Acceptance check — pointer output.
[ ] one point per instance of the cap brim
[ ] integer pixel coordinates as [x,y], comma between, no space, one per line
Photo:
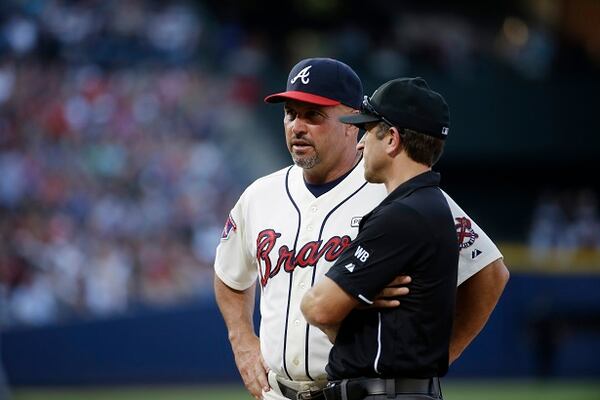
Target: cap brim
[301,96]
[359,119]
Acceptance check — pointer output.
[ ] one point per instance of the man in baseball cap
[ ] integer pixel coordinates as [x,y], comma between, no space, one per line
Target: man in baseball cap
[318,92]
[321,81]
[418,114]
[411,232]
[405,103]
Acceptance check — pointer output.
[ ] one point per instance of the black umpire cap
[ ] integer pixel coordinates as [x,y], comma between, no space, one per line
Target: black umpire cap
[405,103]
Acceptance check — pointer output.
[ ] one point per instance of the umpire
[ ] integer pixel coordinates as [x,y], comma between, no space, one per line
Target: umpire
[393,353]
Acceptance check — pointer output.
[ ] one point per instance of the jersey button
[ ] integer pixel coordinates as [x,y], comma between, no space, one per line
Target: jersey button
[297,322]
[296,361]
[309,228]
[314,209]
[302,285]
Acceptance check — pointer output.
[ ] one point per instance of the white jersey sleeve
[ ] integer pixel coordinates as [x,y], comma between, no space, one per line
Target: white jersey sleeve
[234,263]
[476,248]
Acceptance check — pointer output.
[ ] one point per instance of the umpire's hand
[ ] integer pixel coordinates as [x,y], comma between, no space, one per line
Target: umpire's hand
[388,297]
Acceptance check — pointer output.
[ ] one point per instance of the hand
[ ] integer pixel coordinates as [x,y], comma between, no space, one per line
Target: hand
[387,298]
[252,366]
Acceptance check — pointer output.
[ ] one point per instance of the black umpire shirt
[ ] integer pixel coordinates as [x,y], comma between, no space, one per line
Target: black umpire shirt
[410,233]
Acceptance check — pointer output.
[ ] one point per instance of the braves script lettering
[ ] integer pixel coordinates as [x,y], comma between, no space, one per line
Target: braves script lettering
[308,255]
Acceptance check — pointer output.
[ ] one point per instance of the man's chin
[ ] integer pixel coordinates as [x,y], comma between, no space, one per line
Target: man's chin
[305,162]
[371,178]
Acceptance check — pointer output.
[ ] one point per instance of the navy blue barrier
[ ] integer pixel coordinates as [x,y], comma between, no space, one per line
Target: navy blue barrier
[544,325]
[535,309]
[185,345]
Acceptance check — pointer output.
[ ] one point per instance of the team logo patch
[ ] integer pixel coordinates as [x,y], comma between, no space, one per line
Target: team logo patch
[355,222]
[303,75]
[229,226]
[350,267]
[466,234]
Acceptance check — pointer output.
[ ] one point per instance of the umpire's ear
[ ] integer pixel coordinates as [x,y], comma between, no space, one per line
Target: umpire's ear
[393,139]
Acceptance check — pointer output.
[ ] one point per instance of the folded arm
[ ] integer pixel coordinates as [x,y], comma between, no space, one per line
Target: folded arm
[326,305]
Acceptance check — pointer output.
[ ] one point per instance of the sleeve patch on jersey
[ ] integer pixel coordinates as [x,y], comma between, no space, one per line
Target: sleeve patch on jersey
[361,254]
[229,226]
[465,232]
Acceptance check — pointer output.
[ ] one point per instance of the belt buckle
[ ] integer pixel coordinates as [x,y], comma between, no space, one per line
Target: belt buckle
[309,394]
[305,394]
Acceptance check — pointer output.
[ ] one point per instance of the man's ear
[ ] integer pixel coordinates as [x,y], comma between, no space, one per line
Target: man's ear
[393,142]
[352,130]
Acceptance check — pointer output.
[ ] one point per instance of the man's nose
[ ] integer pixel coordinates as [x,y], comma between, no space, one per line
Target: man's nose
[361,144]
[299,126]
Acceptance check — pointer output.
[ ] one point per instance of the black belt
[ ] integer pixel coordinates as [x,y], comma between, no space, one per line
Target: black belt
[358,389]
[303,394]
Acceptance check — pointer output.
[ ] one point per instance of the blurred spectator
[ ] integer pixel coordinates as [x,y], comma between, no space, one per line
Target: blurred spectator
[584,230]
[528,49]
[4,393]
[564,225]
[549,219]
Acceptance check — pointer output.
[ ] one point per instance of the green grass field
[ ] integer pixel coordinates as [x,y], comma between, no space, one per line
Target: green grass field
[463,390]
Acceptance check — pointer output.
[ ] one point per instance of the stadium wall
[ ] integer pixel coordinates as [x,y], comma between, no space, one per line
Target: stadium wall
[545,325]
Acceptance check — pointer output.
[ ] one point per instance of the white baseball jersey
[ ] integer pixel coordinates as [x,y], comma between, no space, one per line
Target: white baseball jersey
[280,234]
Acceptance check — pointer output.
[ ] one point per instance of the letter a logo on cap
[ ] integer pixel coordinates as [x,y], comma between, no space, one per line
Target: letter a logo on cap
[303,75]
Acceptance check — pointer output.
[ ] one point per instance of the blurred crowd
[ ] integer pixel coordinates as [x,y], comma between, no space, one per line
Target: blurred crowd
[109,31]
[113,189]
[119,160]
[528,37]
[128,129]
[564,225]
